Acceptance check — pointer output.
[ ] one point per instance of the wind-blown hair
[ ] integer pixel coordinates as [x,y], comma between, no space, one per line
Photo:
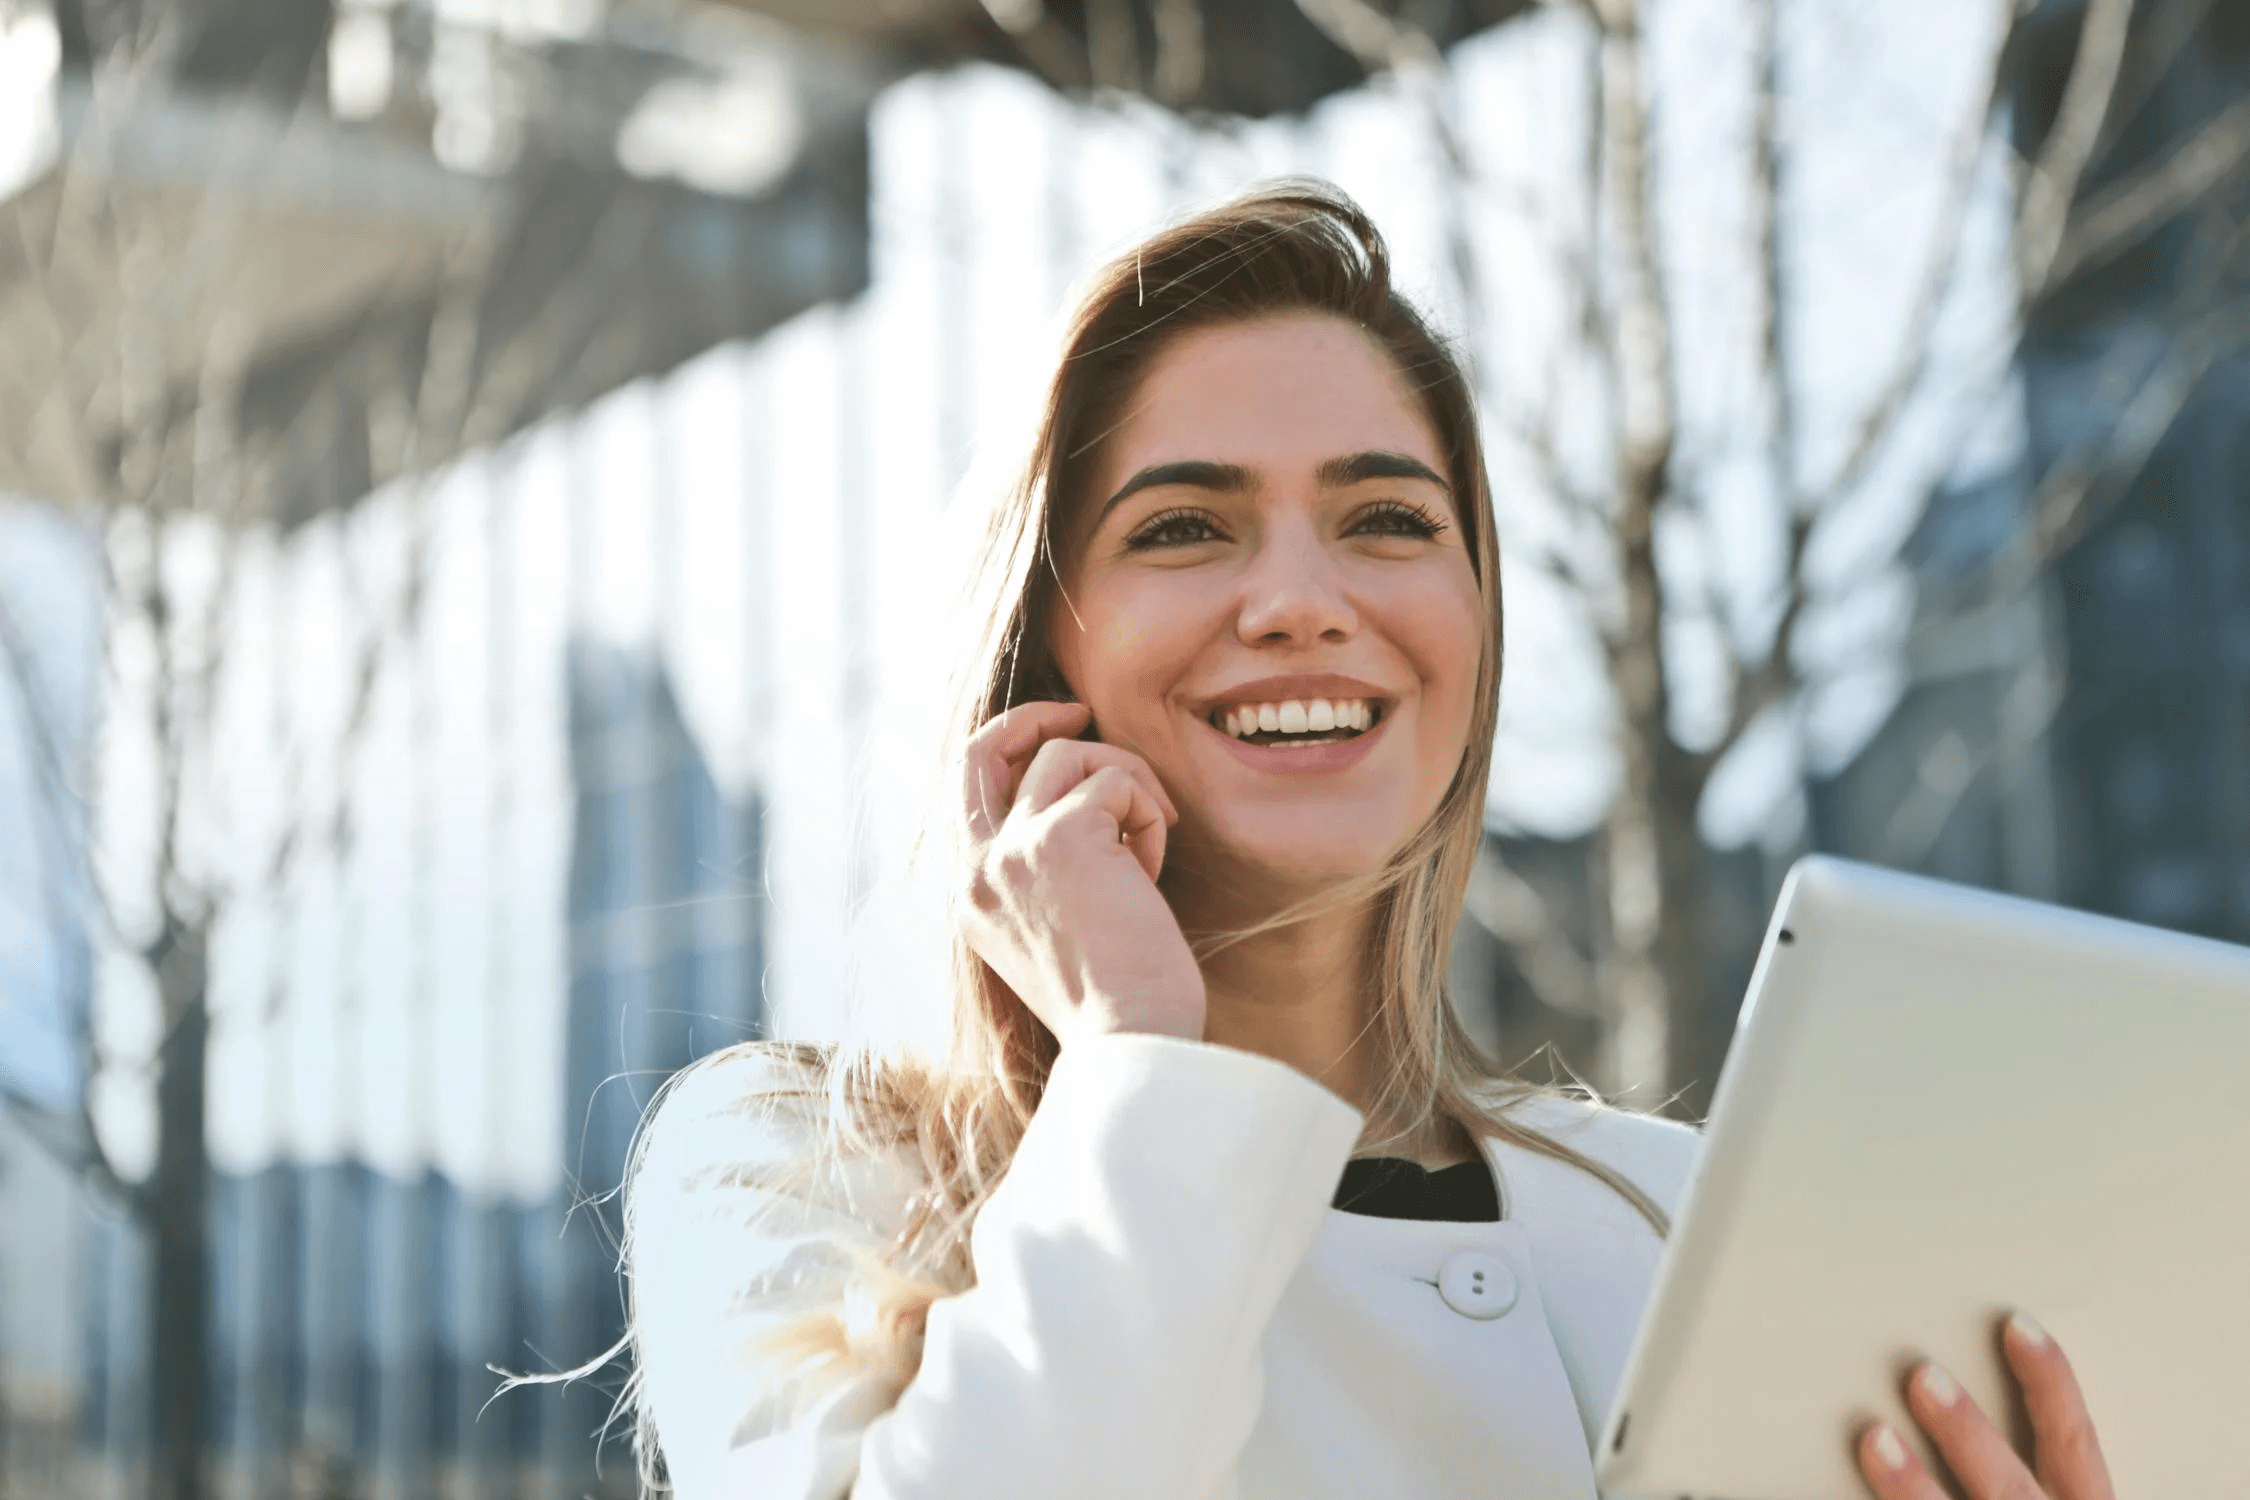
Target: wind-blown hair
[1294,247]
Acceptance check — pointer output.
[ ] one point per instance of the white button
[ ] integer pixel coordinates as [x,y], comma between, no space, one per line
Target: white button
[1477,1285]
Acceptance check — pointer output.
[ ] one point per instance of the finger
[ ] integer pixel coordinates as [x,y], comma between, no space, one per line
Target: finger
[1116,798]
[1060,765]
[1891,1469]
[1020,730]
[993,759]
[1054,729]
[1976,1451]
[2065,1452]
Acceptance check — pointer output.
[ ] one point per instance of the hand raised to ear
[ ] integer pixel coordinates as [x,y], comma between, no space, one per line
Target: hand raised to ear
[1063,843]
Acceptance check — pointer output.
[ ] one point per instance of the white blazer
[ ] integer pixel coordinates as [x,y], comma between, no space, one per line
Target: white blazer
[1166,1307]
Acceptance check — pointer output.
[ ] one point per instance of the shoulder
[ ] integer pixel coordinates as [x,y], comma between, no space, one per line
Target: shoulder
[763,1098]
[750,1215]
[751,1108]
[747,1139]
[1657,1155]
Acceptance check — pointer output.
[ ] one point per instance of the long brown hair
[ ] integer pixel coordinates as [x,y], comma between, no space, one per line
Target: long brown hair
[1288,248]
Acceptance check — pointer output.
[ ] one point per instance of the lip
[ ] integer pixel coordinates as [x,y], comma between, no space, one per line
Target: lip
[1306,760]
[1304,685]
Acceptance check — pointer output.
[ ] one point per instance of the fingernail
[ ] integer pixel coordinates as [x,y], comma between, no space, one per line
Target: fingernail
[1889,1451]
[2027,1329]
[1939,1386]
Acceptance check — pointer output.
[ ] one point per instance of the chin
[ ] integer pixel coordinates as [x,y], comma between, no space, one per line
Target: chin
[1300,853]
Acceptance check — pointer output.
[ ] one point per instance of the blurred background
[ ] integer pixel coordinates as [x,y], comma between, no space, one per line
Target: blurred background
[477,483]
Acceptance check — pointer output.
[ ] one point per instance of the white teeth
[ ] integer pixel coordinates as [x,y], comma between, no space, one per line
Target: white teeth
[1297,716]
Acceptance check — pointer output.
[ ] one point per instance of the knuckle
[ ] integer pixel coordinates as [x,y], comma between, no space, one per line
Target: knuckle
[1103,797]
[979,891]
[1021,861]
[2075,1443]
[1127,761]
[1071,819]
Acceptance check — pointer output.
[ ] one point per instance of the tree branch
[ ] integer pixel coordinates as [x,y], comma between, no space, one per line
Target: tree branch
[39,718]
[1949,767]
[1912,360]
[2130,212]
[1180,57]
[1774,680]
[76,1147]
[1113,45]
[2171,28]
[1510,908]
[1944,774]
[1642,324]
[1377,41]
[73,1145]
[1536,439]
[1765,208]
[2051,185]
[2092,477]
[1754,690]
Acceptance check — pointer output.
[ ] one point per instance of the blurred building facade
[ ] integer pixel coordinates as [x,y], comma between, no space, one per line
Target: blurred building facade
[360,1317]
[2152,736]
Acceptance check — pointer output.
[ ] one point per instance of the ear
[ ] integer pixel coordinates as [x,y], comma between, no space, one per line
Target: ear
[1054,681]
[1048,685]
[1054,685]
[1063,692]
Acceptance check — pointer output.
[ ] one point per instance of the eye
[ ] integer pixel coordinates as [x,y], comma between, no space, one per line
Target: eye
[1174,528]
[1397,518]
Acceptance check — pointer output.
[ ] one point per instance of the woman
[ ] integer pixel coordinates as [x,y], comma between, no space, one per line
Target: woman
[1212,1196]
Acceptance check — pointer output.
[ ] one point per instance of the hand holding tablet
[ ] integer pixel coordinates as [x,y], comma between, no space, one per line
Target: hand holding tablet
[1943,1106]
[2065,1457]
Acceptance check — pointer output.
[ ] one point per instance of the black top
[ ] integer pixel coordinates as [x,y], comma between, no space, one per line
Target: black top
[1390,1187]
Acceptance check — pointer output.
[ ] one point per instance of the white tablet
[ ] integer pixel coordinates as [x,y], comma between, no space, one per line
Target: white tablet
[1942,1104]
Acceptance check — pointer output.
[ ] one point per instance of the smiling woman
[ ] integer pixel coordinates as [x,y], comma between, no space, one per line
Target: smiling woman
[1223,741]
[1211,1195]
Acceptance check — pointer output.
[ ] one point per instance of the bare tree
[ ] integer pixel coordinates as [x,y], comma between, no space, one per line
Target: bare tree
[1648,974]
[174,422]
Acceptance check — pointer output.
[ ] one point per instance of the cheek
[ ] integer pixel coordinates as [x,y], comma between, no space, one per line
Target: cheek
[1439,623]
[1124,647]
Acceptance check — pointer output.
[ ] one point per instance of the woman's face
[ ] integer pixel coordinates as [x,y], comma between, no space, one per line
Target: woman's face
[1271,601]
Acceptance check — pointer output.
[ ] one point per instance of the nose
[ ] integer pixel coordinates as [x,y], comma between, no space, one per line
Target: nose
[1295,594]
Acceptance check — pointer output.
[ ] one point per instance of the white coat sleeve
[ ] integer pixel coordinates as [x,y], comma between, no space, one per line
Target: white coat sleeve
[1126,1268]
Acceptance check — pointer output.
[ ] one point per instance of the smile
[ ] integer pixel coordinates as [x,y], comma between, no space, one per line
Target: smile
[1298,721]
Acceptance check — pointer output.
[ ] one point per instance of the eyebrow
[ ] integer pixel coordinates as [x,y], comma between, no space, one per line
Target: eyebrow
[1377,463]
[1203,474]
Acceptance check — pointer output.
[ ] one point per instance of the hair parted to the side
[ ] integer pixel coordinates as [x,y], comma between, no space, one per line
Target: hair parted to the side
[1290,247]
